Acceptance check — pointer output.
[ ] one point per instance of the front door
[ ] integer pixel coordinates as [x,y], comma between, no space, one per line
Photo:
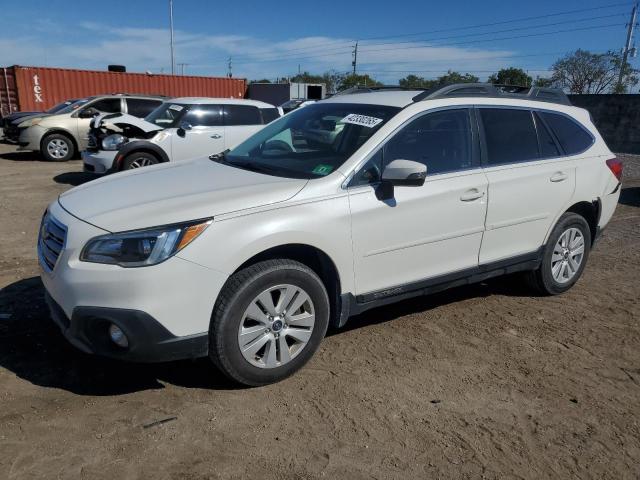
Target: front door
[422,232]
[204,135]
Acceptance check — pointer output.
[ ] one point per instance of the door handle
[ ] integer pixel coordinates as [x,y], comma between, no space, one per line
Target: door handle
[216,136]
[471,195]
[559,177]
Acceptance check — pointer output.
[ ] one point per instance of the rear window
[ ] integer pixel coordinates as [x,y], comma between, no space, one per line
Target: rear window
[241,115]
[572,137]
[108,105]
[510,135]
[269,114]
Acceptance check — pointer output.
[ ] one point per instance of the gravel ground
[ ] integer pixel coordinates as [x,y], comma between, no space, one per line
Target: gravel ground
[483,381]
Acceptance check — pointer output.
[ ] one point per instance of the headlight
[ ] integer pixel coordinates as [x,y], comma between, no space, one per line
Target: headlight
[141,248]
[30,122]
[113,142]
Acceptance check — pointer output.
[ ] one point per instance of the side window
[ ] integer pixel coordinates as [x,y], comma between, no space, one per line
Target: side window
[548,147]
[241,115]
[509,134]
[370,172]
[107,105]
[141,107]
[204,116]
[269,114]
[441,140]
[573,138]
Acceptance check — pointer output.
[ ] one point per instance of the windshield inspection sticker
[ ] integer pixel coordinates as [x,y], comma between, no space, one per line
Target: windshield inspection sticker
[362,120]
[322,169]
[177,108]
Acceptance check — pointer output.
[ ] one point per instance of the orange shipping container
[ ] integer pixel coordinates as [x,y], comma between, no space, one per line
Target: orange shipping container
[40,88]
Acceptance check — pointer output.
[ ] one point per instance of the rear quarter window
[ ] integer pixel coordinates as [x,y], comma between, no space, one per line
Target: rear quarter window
[269,114]
[241,115]
[572,136]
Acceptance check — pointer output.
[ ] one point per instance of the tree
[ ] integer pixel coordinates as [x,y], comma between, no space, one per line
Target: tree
[456,77]
[543,82]
[264,80]
[352,80]
[413,81]
[511,76]
[332,79]
[586,72]
[306,77]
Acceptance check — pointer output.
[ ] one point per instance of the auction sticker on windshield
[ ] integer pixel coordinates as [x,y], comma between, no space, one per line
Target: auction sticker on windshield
[176,107]
[362,120]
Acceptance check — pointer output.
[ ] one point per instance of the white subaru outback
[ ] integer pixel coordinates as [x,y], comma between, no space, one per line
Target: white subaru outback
[350,203]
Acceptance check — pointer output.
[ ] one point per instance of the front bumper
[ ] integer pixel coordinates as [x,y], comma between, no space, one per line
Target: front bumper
[100,162]
[166,308]
[30,138]
[149,341]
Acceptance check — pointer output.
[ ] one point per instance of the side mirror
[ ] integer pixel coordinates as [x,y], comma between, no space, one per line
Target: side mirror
[182,129]
[88,112]
[406,173]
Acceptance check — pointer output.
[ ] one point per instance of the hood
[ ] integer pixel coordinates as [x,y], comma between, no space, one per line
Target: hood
[16,115]
[174,192]
[123,120]
[26,116]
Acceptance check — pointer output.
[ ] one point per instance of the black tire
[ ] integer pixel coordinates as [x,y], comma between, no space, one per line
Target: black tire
[138,160]
[237,294]
[57,147]
[542,279]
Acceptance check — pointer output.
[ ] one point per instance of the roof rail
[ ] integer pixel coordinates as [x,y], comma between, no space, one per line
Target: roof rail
[489,90]
[363,89]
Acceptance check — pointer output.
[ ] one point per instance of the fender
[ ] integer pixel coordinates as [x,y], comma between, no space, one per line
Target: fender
[138,145]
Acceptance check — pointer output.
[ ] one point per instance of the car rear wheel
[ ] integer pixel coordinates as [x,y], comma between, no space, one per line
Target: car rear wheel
[57,148]
[139,160]
[268,322]
[565,255]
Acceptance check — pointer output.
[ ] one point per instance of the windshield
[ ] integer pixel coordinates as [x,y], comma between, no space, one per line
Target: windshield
[310,142]
[60,106]
[74,106]
[167,115]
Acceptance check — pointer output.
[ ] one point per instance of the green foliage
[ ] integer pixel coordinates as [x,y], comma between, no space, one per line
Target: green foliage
[414,81]
[352,80]
[264,80]
[511,76]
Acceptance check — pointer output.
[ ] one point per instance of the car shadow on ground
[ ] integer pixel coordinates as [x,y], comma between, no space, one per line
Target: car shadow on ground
[21,157]
[74,178]
[32,347]
[630,196]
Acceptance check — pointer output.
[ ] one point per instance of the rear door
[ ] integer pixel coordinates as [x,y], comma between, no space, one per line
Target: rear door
[204,138]
[240,122]
[530,181]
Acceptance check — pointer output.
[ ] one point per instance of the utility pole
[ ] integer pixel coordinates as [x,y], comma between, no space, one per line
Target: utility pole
[173,58]
[355,58]
[230,68]
[627,47]
[182,65]
[298,80]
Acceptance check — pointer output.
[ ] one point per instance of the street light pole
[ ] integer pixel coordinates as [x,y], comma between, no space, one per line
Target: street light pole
[173,59]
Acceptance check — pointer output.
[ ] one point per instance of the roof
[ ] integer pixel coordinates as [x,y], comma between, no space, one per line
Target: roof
[220,101]
[392,98]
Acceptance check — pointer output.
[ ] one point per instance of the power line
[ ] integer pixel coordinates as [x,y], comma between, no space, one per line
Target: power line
[504,22]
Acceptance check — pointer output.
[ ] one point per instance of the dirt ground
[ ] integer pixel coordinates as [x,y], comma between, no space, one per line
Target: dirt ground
[484,381]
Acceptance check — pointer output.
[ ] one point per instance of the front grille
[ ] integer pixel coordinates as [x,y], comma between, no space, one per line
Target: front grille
[51,241]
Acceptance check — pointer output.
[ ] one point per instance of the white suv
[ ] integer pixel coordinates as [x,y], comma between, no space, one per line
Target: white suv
[249,256]
[180,129]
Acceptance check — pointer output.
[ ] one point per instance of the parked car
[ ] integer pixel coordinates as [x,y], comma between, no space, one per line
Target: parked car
[12,120]
[294,103]
[60,135]
[180,129]
[249,256]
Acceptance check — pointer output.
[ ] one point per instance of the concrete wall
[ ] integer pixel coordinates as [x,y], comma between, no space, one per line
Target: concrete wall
[617,118]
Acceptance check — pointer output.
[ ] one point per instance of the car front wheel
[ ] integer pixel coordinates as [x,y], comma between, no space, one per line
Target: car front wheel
[268,322]
[139,160]
[57,148]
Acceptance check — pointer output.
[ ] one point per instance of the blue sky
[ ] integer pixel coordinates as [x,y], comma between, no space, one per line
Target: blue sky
[269,38]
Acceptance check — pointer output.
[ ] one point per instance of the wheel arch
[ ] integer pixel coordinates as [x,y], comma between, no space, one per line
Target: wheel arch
[314,258]
[60,131]
[137,147]
[590,211]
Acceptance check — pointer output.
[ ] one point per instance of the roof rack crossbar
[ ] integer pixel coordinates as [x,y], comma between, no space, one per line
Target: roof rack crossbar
[489,90]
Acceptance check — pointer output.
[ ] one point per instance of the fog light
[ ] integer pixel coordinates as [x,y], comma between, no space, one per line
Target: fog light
[117,336]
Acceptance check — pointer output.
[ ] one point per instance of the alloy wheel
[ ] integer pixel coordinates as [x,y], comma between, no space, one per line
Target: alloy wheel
[567,255]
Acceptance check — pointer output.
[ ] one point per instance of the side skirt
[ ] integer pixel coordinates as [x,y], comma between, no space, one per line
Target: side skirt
[353,305]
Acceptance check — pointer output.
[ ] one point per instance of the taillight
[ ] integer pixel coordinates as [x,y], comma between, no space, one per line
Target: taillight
[615,166]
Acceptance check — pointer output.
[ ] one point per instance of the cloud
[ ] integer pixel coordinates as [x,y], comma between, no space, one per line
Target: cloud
[95,45]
